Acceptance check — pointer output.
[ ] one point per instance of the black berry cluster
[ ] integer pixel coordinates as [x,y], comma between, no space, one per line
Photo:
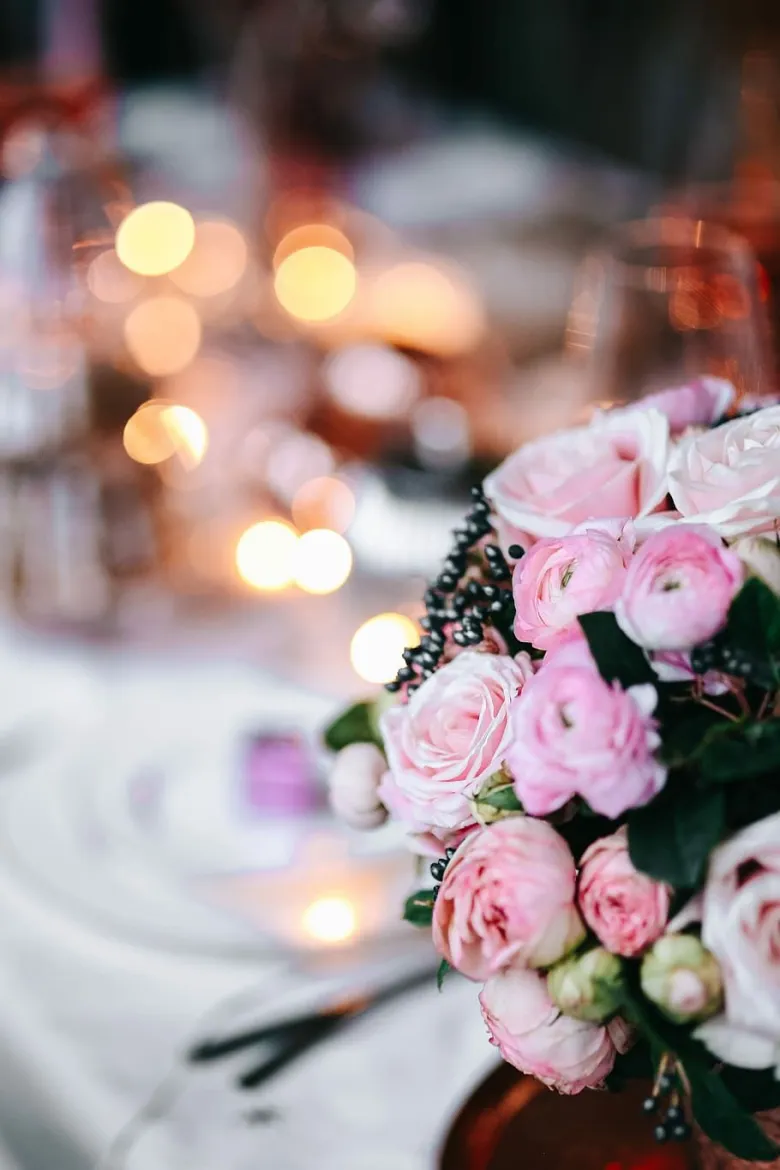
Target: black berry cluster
[472,591]
[438,869]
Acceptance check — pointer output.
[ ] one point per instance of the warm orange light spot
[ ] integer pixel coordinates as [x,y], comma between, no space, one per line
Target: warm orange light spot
[315,283]
[163,335]
[312,235]
[217,261]
[323,561]
[160,429]
[427,307]
[378,645]
[155,238]
[265,555]
[330,920]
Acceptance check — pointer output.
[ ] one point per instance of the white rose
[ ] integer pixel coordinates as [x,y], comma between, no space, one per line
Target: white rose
[354,786]
[729,477]
[614,468]
[741,926]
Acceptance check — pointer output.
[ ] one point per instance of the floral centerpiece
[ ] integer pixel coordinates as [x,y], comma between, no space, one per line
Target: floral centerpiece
[585,746]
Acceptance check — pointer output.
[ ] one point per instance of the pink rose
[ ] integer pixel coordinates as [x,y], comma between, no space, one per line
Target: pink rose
[741,926]
[575,734]
[354,786]
[451,735]
[729,477]
[697,404]
[531,1033]
[561,578]
[625,909]
[678,589]
[507,895]
[614,467]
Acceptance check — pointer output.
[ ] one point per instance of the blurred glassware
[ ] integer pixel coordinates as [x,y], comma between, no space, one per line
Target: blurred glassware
[667,300]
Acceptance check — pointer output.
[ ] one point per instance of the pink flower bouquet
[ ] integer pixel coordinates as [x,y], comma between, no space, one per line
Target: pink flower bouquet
[586,746]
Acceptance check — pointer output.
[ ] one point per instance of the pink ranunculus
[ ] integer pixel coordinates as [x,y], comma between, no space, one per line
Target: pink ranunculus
[697,404]
[451,735]
[678,588]
[561,578]
[625,909]
[507,896]
[729,477]
[614,467]
[741,926]
[575,734]
[531,1033]
[354,786]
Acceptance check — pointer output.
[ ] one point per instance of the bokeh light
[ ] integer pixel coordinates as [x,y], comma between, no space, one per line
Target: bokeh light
[323,561]
[48,360]
[266,555]
[146,438]
[23,149]
[427,307]
[294,458]
[378,645]
[190,434]
[163,334]
[372,380]
[313,235]
[217,261]
[160,429]
[330,920]
[155,238]
[315,283]
[110,281]
[324,502]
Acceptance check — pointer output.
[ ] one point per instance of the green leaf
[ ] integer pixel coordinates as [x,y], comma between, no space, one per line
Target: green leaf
[444,970]
[749,646]
[755,1089]
[716,1109]
[744,751]
[693,728]
[672,837]
[355,725]
[617,657]
[723,1119]
[418,908]
[504,799]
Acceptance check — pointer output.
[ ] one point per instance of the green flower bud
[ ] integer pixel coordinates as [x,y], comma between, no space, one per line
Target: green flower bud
[682,978]
[495,800]
[587,986]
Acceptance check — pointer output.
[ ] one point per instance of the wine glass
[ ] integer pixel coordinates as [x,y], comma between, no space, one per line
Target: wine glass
[668,300]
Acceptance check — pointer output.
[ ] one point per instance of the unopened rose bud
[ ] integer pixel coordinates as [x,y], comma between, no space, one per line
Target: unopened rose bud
[761,556]
[354,782]
[589,986]
[682,978]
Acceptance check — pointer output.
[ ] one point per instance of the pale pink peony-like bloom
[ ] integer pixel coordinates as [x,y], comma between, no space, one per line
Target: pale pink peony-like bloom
[614,467]
[561,578]
[531,1033]
[741,926]
[354,786]
[729,477]
[625,909]
[575,734]
[507,896]
[696,404]
[451,735]
[678,588]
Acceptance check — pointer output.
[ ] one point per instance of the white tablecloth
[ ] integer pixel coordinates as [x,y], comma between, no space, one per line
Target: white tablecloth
[92,1019]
